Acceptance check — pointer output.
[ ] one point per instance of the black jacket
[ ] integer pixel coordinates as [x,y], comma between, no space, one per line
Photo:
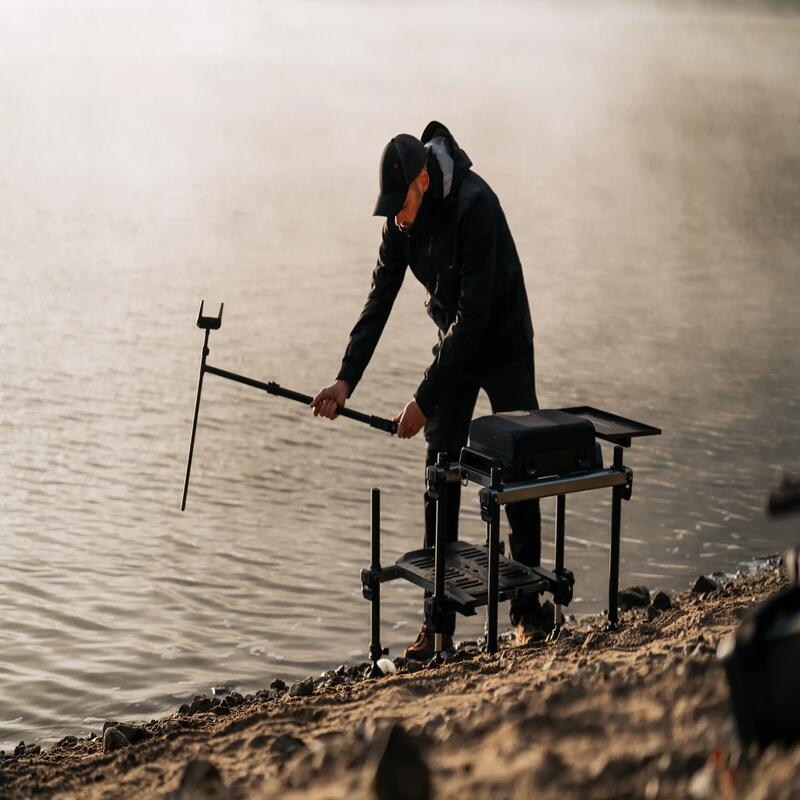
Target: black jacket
[461,250]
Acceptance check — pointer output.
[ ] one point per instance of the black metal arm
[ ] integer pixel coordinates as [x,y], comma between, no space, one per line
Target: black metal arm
[209,324]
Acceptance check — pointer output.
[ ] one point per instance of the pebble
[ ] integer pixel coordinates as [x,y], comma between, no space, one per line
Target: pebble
[302,688]
[114,739]
[278,685]
[661,601]
[67,741]
[387,666]
[703,585]
[633,597]
[199,705]
[414,666]
[133,733]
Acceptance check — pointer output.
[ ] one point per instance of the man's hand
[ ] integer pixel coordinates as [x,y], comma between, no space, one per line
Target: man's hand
[329,399]
[409,421]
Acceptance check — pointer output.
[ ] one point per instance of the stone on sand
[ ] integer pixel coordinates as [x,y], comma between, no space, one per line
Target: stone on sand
[703,585]
[661,601]
[302,688]
[633,597]
[114,739]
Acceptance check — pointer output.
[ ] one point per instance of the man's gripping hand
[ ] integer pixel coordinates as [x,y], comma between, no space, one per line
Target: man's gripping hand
[328,400]
[409,421]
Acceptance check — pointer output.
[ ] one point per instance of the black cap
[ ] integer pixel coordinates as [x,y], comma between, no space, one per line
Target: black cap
[402,160]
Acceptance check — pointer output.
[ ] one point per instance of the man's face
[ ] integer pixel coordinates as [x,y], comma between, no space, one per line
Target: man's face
[404,219]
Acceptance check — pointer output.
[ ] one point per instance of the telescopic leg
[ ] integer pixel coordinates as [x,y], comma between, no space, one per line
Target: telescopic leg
[616,524]
[561,510]
[439,555]
[375,648]
[493,577]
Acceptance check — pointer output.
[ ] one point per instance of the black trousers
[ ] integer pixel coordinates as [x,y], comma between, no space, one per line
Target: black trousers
[510,387]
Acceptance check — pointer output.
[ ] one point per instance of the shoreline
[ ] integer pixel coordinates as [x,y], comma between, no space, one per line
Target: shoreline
[638,712]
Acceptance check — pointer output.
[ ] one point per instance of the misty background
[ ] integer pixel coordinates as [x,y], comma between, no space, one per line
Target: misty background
[154,154]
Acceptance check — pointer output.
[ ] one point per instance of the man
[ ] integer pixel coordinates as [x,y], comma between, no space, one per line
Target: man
[446,224]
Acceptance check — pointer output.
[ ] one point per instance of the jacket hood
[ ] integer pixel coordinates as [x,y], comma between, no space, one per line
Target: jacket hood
[450,163]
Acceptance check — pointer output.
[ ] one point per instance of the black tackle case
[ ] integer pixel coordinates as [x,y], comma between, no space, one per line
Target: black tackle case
[532,444]
[762,661]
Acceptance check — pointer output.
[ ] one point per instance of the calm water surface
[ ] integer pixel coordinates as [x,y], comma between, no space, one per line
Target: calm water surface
[157,154]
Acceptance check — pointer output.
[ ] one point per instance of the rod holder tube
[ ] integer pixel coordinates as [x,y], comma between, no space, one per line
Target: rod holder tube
[196,412]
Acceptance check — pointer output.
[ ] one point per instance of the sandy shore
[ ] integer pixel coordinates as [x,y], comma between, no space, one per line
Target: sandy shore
[638,713]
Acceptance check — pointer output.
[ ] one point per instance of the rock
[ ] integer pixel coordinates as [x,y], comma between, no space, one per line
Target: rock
[133,733]
[287,745]
[67,741]
[114,739]
[341,669]
[387,666]
[278,685]
[652,612]
[302,688]
[221,691]
[661,601]
[414,666]
[401,772]
[703,585]
[233,699]
[200,704]
[400,661]
[19,749]
[633,597]
[201,780]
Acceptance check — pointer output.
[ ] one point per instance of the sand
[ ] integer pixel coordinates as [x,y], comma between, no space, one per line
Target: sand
[642,712]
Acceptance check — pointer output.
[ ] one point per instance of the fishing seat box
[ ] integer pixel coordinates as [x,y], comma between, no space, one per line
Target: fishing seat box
[527,445]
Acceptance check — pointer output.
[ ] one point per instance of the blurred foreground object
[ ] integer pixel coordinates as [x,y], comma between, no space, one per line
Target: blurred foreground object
[762,661]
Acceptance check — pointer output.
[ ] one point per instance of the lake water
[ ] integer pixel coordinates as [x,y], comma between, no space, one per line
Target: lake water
[158,153]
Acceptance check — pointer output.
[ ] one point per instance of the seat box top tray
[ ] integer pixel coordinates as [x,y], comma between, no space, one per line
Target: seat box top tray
[612,427]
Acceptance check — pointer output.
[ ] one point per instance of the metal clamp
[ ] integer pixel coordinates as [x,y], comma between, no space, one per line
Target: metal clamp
[628,490]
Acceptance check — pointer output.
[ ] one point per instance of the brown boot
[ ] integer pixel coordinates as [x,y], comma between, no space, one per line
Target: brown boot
[422,649]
